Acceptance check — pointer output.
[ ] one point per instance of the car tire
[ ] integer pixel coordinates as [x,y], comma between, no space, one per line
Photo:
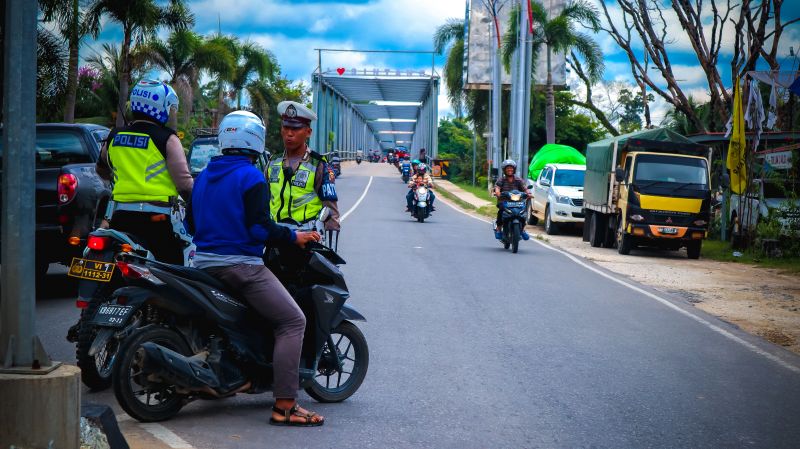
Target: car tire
[693,249]
[550,227]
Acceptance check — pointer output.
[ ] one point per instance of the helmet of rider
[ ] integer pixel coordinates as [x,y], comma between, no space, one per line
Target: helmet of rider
[509,163]
[415,162]
[422,168]
[154,99]
[241,132]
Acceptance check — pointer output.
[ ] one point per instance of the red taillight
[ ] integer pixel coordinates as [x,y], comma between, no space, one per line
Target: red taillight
[97,243]
[127,271]
[81,304]
[67,185]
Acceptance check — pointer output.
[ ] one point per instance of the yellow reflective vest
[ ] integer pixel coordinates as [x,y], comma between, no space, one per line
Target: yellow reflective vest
[140,170]
[294,198]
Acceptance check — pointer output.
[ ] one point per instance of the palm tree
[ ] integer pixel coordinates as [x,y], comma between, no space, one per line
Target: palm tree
[559,34]
[70,20]
[51,76]
[138,18]
[184,56]
[253,62]
[474,102]
[108,64]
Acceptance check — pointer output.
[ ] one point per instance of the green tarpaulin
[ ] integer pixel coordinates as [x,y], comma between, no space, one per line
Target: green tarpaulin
[553,153]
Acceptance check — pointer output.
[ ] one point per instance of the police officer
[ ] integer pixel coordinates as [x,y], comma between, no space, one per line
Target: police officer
[147,165]
[301,183]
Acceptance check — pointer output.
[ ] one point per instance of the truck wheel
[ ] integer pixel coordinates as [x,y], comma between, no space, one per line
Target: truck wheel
[586,219]
[609,233]
[693,249]
[596,230]
[549,227]
[624,241]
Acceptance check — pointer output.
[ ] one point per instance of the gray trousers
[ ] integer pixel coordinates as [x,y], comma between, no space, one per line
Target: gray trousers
[263,292]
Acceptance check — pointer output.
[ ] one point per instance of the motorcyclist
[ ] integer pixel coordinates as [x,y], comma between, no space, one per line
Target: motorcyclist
[301,182]
[232,224]
[414,166]
[147,165]
[421,177]
[509,181]
[406,165]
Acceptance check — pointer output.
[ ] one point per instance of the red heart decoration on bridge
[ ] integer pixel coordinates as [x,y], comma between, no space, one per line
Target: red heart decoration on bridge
[340,70]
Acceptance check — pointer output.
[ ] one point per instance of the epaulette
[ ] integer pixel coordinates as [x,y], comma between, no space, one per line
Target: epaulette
[316,156]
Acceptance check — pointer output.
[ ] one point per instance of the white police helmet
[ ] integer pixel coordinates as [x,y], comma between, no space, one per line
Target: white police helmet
[242,130]
[509,163]
[155,99]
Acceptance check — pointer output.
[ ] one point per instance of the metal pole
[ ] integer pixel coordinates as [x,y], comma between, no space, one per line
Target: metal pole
[497,92]
[19,346]
[525,119]
[474,152]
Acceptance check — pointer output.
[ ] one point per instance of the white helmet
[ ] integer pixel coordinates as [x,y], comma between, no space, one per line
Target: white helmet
[155,99]
[509,162]
[242,130]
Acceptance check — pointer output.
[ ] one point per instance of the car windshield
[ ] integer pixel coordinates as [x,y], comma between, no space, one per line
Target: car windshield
[569,178]
[56,148]
[652,168]
[201,153]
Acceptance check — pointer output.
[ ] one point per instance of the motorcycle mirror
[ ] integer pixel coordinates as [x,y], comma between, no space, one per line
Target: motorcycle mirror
[530,186]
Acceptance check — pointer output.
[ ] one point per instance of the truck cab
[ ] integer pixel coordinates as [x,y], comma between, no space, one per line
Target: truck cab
[663,200]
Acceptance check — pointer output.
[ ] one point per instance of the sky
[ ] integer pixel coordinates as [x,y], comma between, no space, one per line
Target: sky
[292,30]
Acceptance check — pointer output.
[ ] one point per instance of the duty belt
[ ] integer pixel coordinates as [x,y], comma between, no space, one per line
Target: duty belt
[114,206]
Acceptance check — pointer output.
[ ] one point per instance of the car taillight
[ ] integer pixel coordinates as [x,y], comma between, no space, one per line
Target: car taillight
[81,303]
[67,186]
[98,243]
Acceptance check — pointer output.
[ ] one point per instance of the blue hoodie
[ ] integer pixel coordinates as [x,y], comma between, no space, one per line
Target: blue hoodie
[230,209]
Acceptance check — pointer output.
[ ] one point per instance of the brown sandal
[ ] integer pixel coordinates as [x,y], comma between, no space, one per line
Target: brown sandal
[287,415]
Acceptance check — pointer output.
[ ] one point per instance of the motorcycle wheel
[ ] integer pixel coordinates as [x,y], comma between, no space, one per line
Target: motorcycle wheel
[506,237]
[515,236]
[133,392]
[352,360]
[95,370]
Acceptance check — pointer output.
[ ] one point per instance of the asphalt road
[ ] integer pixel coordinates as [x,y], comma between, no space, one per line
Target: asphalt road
[474,347]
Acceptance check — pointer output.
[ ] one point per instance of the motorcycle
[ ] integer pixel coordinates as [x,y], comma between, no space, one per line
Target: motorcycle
[512,218]
[358,160]
[203,343]
[96,349]
[405,173]
[421,205]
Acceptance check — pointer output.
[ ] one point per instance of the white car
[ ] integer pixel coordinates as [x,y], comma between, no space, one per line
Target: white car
[558,196]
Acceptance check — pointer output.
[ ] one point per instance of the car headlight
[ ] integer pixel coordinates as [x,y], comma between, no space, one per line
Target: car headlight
[637,217]
[562,199]
[700,222]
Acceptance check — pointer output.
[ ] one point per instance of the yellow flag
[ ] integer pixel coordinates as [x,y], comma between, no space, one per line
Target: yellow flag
[737,147]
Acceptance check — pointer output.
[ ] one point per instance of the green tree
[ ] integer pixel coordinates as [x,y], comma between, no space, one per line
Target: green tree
[252,62]
[51,74]
[574,129]
[184,56]
[139,19]
[455,144]
[264,99]
[559,34]
[630,119]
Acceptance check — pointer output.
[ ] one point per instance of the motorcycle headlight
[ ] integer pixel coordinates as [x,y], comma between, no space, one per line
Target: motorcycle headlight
[562,199]
[515,197]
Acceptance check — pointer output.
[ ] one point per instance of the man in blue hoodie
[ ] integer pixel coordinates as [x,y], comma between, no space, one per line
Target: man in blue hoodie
[232,224]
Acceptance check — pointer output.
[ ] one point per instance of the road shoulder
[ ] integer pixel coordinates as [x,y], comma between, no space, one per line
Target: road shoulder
[761,301]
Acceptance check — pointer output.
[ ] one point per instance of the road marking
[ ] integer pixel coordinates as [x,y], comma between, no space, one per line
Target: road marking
[360,199]
[666,302]
[167,436]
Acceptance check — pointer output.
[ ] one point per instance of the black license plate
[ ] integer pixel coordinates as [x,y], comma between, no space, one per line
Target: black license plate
[515,203]
[93,270]
[112,315]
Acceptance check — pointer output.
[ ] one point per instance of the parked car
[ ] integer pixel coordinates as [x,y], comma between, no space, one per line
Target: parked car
[70,197]
[766,196]
[558,196]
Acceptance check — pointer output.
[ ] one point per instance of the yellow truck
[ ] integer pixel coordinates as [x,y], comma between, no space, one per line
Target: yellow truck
[648,188]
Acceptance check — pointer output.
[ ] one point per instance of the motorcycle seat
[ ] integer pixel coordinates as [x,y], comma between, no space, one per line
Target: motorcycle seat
[194,274]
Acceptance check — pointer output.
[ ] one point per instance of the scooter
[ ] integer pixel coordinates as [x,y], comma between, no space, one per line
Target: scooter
[405,172]
[358,160]
[512,218]
[95,348]
[206,344]
[421,205]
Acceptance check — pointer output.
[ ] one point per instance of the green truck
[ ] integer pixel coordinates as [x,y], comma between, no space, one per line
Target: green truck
[648,188]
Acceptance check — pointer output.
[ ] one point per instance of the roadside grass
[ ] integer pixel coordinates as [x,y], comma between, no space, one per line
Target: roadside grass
[722,251]
[487,211]
[479,191]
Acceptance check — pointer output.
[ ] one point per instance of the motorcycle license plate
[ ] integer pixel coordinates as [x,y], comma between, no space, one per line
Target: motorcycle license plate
[112,315]
[668,230]
[515,204]
[93,270]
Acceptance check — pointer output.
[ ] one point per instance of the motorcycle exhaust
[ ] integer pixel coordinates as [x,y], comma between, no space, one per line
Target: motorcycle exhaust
[189,373]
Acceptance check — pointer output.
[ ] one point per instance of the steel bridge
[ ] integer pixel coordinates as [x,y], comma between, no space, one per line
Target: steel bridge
[375,109]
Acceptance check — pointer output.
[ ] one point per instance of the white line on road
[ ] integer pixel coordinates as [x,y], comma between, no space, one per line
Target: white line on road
[666,302]
[360,199]
[167,436]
